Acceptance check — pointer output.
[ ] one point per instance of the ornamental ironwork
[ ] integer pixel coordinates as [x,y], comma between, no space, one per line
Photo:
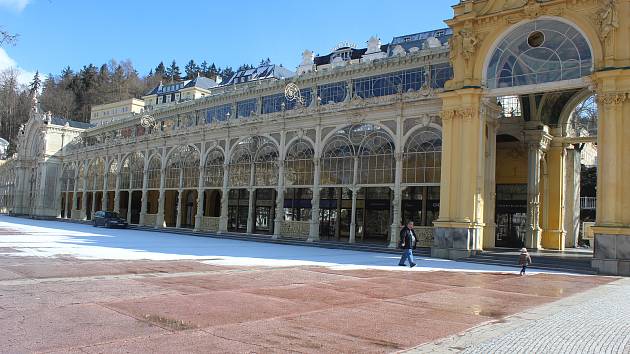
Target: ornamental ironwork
[292,93]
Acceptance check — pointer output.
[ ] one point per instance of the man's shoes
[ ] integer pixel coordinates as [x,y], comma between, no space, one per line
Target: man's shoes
[401,265]
[412,265]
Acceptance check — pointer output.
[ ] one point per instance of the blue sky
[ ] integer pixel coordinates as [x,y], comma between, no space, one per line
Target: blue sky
[57,33]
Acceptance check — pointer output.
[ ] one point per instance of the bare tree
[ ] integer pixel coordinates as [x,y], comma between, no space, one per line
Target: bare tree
[7,38]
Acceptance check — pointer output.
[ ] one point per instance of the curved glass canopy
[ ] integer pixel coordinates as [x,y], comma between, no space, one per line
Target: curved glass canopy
[539,52]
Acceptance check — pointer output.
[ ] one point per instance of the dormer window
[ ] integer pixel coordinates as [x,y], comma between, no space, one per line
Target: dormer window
[407,39]
[439,33]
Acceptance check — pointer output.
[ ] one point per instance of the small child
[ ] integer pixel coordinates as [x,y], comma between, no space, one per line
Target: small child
[524,260]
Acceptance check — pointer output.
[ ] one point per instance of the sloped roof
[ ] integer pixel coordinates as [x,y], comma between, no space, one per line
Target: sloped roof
[72,123]
[200,82]
[260,73]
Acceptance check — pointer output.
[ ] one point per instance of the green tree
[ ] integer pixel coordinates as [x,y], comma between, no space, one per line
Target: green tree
[173,72]
[35,85]
[191,70]
[160,70]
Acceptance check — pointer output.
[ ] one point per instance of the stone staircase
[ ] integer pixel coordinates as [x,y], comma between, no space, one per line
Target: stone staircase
[560,262]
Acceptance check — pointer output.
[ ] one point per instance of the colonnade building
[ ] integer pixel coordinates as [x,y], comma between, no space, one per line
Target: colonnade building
[475,132]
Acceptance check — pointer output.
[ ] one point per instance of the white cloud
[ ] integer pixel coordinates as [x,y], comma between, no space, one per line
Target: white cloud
[15,5]
[6,62]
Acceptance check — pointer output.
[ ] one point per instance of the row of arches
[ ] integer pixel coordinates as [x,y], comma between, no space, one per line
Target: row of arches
[258,183]
[365,149]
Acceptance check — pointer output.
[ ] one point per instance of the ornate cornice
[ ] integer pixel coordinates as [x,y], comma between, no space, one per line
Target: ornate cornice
[612,98]
[458,113]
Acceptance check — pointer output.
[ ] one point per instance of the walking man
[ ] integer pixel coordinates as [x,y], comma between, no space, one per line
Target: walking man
[408,244]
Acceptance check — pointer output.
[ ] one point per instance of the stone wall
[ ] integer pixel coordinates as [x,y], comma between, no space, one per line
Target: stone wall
[149,220]
[298,229]
[209,223]
[425,236]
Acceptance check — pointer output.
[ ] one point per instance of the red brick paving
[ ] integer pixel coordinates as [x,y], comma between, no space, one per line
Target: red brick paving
[199,308]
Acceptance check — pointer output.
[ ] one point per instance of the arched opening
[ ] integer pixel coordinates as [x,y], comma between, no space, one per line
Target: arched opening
[581,171]
[299,174]
[538,52]
[154,174]
[182,178]
[357,174]
[421,180]
[130,186]
[112,177]
[67,188]
[213,182]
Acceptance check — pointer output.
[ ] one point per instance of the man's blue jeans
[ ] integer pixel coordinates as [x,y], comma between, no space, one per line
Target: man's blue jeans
[407,254]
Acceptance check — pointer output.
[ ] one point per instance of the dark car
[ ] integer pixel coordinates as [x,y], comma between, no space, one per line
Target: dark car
[109,219]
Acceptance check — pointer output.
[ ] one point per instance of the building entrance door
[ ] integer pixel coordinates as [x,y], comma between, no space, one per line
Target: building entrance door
[335,213]
[511,215]
[265,210]
[376,208]
[238,210]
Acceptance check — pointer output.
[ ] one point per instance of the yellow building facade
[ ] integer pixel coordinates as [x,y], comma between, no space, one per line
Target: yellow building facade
[547,53]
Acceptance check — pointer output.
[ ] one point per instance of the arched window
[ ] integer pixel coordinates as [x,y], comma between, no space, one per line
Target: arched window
[337,162]
[538,52]
[376,162]
[266,163]
[239,171]
[96,174]
[583,120]
[422,158]
[132,171]
[112,175]
[154,173]
[213,176]
[67,178]
[81,175]
[124,174]
[183,165]
[369,143]
[137,170]
[299,167]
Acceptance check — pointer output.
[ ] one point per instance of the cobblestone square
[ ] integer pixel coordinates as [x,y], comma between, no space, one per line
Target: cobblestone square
[57,295]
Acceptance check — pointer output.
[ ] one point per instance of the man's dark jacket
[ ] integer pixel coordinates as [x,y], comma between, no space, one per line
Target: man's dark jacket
[405,239]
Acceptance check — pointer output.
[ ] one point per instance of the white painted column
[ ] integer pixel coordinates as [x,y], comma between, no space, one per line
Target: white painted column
[251,211]
[279,219]
[313,234]
[117,189]
[252,206]
[396,203]
[93,201]
[178,221]
[105,199]
[572,198]
[200,193]
[353,217]
[145,193]
[223,219]
[74,193]
[159,219]
[84,199]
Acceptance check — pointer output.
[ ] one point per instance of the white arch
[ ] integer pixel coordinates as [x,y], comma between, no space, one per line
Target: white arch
[337,128]
[408,134]
[511,29]
[294,140]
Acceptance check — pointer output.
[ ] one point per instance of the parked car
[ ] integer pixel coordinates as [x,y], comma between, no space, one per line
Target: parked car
[109,219]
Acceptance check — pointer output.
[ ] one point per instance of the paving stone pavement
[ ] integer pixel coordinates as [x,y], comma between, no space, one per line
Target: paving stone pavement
[595,321]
